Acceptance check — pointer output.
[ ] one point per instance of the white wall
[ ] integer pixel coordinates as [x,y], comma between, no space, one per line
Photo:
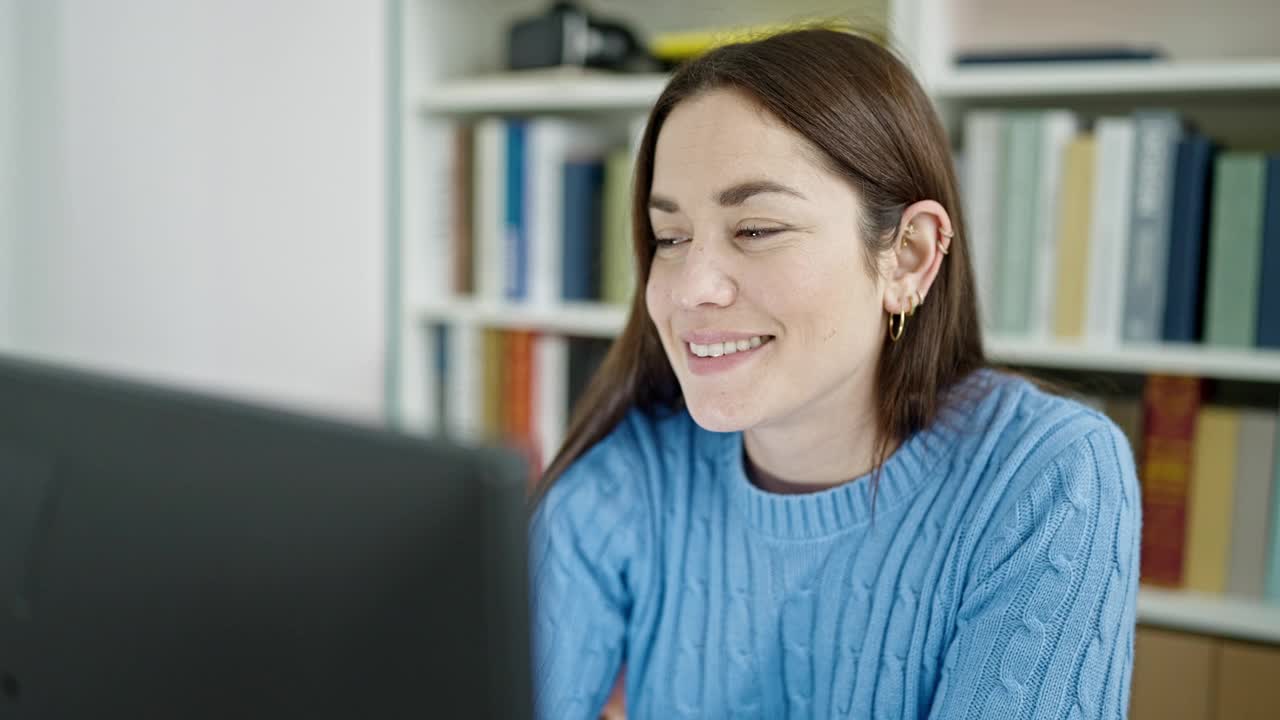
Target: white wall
[203,195]
[8,174]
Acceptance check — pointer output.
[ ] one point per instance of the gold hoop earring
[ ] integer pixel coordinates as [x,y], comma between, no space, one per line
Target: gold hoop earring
[916,301]
[901,318]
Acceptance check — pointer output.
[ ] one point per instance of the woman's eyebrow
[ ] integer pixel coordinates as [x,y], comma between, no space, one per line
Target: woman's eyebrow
[730,196]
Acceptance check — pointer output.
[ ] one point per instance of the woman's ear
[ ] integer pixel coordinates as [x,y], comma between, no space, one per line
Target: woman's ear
[922,242]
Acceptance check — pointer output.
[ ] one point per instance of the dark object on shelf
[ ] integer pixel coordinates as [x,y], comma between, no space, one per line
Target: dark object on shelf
[1101,53]
[566,35]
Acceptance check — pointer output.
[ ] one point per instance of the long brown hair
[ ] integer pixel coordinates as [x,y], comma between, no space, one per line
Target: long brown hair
[863,109]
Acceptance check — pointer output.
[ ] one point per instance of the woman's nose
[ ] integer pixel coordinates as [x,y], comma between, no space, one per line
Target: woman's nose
[705,278]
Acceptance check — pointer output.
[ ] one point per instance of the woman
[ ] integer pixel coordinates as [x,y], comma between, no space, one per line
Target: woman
[795,489]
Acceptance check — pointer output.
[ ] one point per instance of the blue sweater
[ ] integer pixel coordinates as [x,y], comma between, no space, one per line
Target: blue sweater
[996,577]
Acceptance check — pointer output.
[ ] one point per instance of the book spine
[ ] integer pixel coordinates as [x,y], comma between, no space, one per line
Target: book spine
[1188,240]
[580,262]
[983,132]
[489,180]
[1235,244]
[1109,230]
[465,419]
[617,255]
[462,212]
[1249,517]
[494,384]
[1017,243]
[1073,237]
[1058,128]
[1268,331]
[1272,590]
[1170,407]
[1155,142]
[551,393]
[516,240]
[1213,477]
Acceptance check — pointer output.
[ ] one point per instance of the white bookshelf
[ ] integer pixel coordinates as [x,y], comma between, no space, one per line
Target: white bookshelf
[1109,79]
[537,91]
[1225,616]
[448,76]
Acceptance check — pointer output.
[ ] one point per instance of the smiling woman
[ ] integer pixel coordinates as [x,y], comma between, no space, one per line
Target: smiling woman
[794,489]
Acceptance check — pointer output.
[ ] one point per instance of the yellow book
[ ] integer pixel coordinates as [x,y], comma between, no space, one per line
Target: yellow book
[1074,221]
[493,356]
[687,44]
[1209,507]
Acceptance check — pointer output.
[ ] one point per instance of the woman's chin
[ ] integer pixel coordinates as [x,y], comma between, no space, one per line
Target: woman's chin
[720,415]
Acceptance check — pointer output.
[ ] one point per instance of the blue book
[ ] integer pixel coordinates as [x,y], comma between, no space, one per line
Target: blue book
[1188,240]
[1269,291]
[516,240]
[1155,142]
[580,261]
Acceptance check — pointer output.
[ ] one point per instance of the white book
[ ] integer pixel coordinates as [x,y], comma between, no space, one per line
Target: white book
[549,144]
[1058,128]
[465,385]
[488,224]
[981,196]
[1250,518]
[1109,232]
[551,393]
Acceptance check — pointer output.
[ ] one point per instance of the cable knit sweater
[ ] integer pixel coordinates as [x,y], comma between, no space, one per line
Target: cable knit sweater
[994,576]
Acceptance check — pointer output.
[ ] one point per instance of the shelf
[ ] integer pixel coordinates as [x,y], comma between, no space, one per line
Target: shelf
[587,319]
[597,320]
[1101,79]
[545,90]
[1239,618]
[1193,360]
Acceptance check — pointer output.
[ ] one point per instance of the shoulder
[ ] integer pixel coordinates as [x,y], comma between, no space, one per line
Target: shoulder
[620,480]
[1051,460]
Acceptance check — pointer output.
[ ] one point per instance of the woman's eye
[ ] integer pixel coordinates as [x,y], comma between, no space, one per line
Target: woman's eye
[754,233]
[669,241]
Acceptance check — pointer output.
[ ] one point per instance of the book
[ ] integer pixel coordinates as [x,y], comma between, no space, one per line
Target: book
[517,410]
[1188,232]
[983,133]
[515,227]
[1057,128]
[617,280]
[1109,230]
[489,207]
[1156,137]
[1268,331]
[1251,514]
[550,145]
[461,214]
[580,262]
[1209,506]
[1126,413]
[1019,191]
[585,357]
[494,389]
[1081,54]
[1171,405]
[1235,250]
[1272,589]
[551,393]
[1073,237]
[464,420]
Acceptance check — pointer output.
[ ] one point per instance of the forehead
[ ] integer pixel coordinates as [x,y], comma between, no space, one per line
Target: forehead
[721,136]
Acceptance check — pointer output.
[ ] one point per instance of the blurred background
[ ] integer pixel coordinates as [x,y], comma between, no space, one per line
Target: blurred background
[413,213]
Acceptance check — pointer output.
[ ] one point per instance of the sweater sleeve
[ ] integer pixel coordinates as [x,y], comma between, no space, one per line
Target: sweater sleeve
[584,543]
[1044,627]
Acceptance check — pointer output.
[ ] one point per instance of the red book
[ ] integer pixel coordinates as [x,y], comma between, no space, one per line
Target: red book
[518,396]
[1171,405]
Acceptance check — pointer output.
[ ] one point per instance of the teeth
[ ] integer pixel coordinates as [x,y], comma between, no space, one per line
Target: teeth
[727,348]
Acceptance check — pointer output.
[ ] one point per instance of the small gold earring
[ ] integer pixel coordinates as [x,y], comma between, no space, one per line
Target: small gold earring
[896,332]
[946,233]
[916,302]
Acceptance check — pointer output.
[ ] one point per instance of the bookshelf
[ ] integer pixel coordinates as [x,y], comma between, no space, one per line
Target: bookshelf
[1110,79]
[443,79]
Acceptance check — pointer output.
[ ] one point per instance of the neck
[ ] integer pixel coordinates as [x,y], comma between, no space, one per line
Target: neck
[816,449]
